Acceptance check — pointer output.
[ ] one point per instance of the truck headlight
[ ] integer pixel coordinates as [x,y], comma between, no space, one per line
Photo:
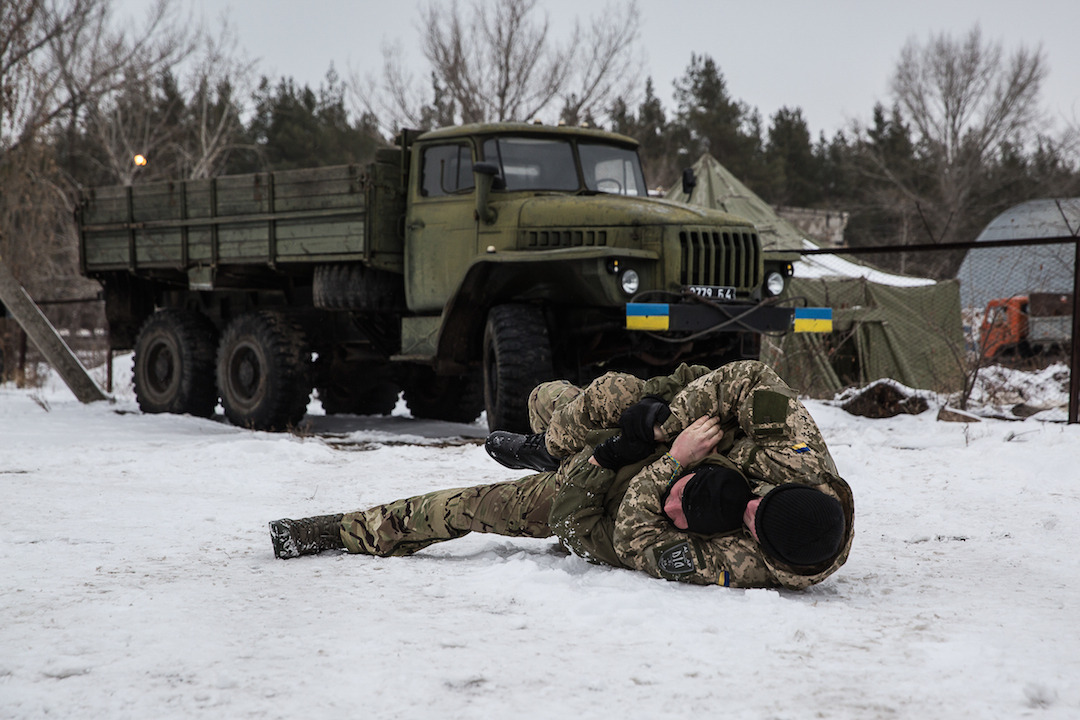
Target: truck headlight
[774,283]
[630,282]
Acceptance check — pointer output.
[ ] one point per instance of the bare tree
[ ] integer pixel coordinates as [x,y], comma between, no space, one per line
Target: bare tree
[57,57]
[964,111]
[182,128]
[498,62]
[964,98]
[222,75]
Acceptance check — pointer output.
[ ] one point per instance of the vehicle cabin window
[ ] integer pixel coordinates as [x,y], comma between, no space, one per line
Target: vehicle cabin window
[612,169]
[533,163]
[447,170]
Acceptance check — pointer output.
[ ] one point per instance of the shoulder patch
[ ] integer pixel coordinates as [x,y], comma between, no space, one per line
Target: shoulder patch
[676,559]
[770,407]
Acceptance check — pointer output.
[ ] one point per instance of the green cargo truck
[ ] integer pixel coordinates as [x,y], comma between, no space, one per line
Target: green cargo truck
[462,267]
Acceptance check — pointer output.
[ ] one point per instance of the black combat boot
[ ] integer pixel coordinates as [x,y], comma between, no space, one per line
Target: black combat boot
[520,452]
[306,536]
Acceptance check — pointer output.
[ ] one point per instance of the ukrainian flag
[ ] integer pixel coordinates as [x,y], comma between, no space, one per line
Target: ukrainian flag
[647,316]
[812,319]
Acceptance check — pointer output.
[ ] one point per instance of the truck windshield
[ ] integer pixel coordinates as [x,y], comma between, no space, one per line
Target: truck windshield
[548,164]
[533,163]
[611,169]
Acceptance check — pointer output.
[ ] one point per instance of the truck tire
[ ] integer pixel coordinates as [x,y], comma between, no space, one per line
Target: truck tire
[360,390]
[263,372]
[453,399]
[174,364]
[353,286]
[517,358]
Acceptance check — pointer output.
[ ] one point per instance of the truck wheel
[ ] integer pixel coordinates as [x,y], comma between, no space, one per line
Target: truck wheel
[359,390]
[174,364]
[263,372]
[517,358]
[454,399]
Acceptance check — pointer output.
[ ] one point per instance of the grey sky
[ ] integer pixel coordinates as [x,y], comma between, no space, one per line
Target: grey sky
[832,58]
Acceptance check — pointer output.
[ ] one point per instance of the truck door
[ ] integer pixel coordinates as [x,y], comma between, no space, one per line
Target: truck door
[441,229]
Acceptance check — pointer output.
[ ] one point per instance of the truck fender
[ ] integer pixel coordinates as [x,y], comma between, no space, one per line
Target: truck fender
[498,278]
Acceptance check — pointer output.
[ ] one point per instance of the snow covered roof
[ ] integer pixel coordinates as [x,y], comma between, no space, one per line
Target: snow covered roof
[833,266]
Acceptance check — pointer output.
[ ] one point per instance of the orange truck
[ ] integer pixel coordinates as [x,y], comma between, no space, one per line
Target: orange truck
[1026,325]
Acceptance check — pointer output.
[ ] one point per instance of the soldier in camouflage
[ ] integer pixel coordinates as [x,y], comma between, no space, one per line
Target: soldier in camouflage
[739,490]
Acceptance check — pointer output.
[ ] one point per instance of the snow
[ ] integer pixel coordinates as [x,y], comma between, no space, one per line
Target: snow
[138,581]
[834,266]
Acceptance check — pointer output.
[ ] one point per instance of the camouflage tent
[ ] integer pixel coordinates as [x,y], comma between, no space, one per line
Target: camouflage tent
[718,189]
[884,325]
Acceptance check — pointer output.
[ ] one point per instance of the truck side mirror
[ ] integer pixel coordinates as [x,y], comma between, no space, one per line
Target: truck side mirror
[487,177]
[689,182]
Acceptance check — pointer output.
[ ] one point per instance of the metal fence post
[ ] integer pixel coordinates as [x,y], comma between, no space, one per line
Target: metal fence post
[1074,365]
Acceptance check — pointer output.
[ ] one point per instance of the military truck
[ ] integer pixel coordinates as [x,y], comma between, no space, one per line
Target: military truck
[462,267]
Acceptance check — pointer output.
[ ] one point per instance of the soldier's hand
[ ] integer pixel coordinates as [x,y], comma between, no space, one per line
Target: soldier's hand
[620,450]
[641,420]
[697,441]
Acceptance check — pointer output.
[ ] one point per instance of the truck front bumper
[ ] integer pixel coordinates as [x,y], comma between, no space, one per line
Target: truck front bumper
[710,317]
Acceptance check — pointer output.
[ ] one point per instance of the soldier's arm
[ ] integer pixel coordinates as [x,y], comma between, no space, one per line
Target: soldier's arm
[775,439]
[646,540]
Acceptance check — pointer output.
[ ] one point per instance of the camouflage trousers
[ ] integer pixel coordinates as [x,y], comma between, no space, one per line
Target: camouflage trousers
[518,508]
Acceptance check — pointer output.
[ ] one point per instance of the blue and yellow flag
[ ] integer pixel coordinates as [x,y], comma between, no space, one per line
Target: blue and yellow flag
[647,316]
[813,319]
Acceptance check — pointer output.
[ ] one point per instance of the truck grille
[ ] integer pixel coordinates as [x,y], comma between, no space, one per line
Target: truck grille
[713,257]
[564,238]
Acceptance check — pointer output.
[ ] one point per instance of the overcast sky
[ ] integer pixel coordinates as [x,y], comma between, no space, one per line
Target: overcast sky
[832,58]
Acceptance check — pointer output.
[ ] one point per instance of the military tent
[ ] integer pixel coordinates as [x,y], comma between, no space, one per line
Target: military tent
[884,325]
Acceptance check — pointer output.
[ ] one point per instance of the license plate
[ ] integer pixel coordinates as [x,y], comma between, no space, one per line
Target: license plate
[713,292]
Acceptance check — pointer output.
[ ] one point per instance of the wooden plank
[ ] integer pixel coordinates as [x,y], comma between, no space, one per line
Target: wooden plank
[47,339]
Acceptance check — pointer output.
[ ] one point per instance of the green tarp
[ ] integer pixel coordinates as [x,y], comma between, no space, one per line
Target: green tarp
[910,334]
[720,190]
[884,326]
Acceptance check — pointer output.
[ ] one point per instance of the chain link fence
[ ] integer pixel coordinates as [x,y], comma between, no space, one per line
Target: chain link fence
[999,340]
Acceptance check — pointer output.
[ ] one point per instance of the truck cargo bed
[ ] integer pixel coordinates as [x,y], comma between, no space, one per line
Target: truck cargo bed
[297,216]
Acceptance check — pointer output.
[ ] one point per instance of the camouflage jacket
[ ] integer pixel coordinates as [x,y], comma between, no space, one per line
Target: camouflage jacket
[617,518]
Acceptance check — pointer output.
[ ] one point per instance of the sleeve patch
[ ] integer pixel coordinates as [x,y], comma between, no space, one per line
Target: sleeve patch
[770,407]
[800,448]
[675,560]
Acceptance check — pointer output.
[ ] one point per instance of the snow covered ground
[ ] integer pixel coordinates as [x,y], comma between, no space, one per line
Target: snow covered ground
[137,580]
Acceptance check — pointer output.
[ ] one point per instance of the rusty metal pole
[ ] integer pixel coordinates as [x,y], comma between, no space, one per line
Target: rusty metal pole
[1074,365]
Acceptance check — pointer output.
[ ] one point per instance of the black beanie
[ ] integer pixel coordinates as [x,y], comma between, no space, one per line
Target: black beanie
[714,500]
[799,525]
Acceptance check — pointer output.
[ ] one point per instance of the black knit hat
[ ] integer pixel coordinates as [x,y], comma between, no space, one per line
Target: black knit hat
[799,525]
[714,500]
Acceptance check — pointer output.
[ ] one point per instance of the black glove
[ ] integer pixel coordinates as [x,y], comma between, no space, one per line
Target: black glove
[621,450]
[637,421]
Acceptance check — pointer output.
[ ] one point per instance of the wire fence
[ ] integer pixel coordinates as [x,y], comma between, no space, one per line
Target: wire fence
[1000,339]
